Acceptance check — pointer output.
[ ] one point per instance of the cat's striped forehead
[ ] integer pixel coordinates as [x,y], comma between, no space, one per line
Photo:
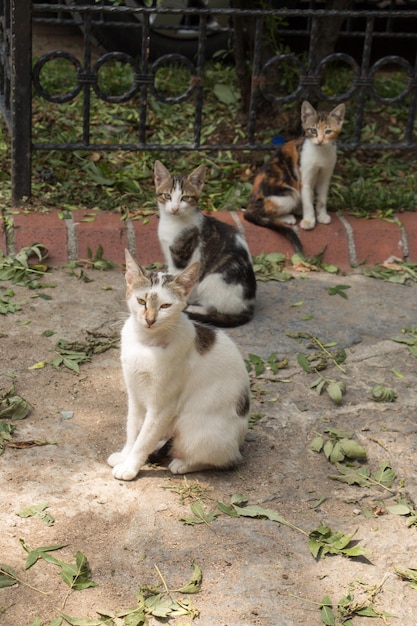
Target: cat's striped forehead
[179,186]
[158,279]
[320,120]
[173,182]
[154,282]
[322,117]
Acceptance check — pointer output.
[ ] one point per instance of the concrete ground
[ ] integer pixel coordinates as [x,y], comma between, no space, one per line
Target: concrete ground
[255,571]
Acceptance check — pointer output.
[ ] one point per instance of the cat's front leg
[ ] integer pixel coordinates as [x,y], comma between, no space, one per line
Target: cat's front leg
[135,418]
[323,217]
[127,463]
[152,431]
[321,206]
[309,217]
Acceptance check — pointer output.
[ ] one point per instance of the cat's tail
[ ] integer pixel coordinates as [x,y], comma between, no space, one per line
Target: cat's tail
[276,225]
[217,318]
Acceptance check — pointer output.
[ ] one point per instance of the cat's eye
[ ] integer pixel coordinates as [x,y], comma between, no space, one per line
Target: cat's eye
[328,131]
[166,305]
[166,196]
[313,131]
[186,198]
[141,301]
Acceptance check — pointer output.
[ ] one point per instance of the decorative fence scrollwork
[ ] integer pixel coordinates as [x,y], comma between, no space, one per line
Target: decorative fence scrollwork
[18,16]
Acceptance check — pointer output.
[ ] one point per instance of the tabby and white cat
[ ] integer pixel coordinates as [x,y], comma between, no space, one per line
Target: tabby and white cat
[225,292]
[299,170]
[185,381]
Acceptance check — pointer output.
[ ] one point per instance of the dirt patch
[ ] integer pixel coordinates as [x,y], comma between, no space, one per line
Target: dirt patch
[255,571]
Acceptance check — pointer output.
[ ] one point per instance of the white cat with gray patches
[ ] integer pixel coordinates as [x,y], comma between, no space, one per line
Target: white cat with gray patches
[225,291]
[186,382]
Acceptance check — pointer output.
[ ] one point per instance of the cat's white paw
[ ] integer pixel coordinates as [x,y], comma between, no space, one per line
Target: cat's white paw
[125,471]
[324,218]
[178,466]
[288,219]
[307,224]
[116,458]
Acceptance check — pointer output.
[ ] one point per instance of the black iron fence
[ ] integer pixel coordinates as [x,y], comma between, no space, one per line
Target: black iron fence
[370,44]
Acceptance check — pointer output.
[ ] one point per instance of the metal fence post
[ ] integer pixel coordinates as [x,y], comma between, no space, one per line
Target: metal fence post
[21,98]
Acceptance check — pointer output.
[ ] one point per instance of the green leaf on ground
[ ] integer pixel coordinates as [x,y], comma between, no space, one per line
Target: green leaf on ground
[55,622]
[72,354]
[13,406]
[399,272]
[37,510]
[33,555]
[6,434]
[380,393]
[20,270]
[194,584]
[324,541]
[409,575]
[77,576]
[256,365]
[336,389]
[350,606]
[407,508]
[409,339]
[322,353]
[238,508]
[157,601]
[383,477]
[6,303]
[326,612]
[339,290]
[8,576]
[337,446]
[271,267]
[303,362]
[226,93]
[85,621]
[199,516]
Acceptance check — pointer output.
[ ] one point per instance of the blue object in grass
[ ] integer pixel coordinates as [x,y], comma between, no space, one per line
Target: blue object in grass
[278,140]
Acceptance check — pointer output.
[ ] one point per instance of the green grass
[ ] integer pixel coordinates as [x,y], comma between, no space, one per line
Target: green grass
[365,184]
[382,188]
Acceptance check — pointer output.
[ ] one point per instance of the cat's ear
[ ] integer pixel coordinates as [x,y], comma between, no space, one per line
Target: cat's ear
[161,173]
[307,110]
[133,270]
[197,177]
[338,114]
[188,277]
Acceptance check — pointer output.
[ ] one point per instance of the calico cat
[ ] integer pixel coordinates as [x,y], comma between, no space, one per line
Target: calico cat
[186,381]
[225,292]
[300,169]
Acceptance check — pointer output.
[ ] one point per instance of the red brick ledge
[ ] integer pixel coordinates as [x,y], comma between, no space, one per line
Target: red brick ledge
[348,241]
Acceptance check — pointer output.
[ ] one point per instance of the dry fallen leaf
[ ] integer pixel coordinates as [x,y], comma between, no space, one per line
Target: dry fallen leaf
[27,444]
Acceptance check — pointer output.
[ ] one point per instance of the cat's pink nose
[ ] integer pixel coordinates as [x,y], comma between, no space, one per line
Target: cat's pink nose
[175,210]
[150,321]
